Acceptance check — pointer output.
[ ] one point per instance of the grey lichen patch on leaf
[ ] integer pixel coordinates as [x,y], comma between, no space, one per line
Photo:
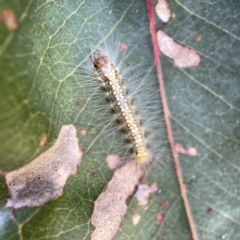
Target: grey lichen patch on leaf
[162,10]
[110,207]
[143,193]
[182,56]
[43,179]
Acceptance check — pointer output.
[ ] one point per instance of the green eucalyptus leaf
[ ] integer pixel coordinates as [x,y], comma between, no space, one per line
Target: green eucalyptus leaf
[42,89]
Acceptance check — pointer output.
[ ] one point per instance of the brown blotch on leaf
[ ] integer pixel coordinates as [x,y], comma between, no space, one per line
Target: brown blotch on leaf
[43,140]
[160,219]
[110,207]
[143,193]
[162,10]
[136,217]
[181,55]
[209,211]
[191,151]
[8,17]
[113,161]
[43,179]
[164,204]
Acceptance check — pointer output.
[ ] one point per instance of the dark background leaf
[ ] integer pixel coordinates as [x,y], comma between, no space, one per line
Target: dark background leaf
[204,103]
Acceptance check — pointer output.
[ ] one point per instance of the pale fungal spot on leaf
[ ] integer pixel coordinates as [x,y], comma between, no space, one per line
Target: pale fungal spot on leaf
[159,191]
[94,130]
[122,47]
[136,217]
[113,161]
[197,37]
[43,179]
[110,207]
[181,55]
[83,132]
[143,193]
[43,140]
[8,17]
[224,236]
[191,151]
[162,10]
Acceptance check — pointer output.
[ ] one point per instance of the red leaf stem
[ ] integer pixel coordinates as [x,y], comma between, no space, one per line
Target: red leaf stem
[167,118]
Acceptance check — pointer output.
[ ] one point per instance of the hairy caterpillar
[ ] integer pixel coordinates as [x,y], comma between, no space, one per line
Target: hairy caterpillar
[130,94]
[121,104]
